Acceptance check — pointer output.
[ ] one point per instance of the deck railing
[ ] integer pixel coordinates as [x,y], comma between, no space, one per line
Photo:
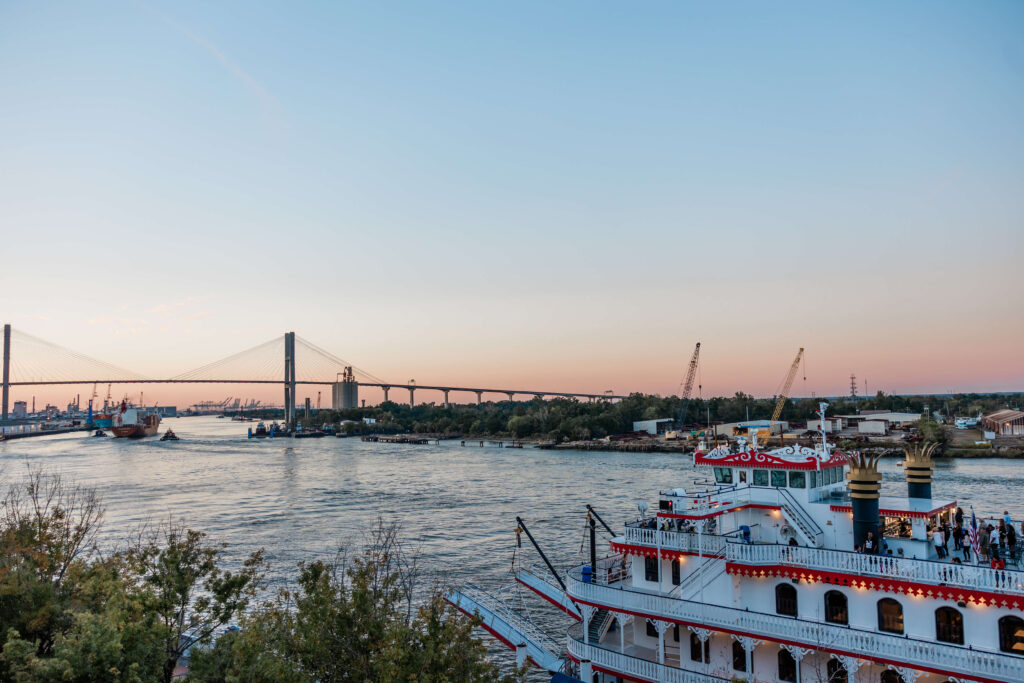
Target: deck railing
[683,541]
[884,566]
[924,654]
[635,667]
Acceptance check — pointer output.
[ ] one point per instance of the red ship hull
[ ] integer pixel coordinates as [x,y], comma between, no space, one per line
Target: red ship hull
[148,427]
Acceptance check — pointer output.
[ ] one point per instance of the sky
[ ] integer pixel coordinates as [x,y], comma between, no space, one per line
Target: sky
[555,196]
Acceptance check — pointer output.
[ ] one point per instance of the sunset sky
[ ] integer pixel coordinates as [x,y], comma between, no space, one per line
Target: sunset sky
[556,196]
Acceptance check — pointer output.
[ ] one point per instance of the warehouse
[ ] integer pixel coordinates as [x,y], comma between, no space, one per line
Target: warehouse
[1004,422]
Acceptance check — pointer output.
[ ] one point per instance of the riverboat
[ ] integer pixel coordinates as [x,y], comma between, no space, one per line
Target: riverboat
[782,565]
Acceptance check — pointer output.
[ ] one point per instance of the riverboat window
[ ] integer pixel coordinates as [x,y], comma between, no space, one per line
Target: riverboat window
[676,571]
[695,648]
[723,475]
[787,666]
[835,608]
[798,480]
[785,600]
[836,671]
[890,676]
[760,477]
[743,476]
[949,626]
[814,479]
[890,616]
[675,633]
[650,569]
[739,657]
[1011,635]
[651,631]
[779,478]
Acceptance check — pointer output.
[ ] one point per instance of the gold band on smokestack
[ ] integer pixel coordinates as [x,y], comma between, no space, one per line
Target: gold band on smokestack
[918,466]
[863,479]
[865,484]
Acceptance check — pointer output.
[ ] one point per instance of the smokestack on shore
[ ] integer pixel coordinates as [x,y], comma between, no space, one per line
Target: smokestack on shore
[865,484]
[919,466]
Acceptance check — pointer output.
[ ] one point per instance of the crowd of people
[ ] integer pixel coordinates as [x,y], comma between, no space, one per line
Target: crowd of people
[997,542]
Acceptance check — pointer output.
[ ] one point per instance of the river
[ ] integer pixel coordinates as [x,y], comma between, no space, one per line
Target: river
[456,506]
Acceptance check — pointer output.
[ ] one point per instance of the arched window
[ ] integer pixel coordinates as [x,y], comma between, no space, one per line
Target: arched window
[1011,635]
[785,599]
[949,626]
[890,676]
[787,666]
[739,657]
[890,616]
[836,671]
[835,608]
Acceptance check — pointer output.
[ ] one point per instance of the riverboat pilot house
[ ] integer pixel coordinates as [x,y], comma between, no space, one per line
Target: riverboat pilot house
[788,565]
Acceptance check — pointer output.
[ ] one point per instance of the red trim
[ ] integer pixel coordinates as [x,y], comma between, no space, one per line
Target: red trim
[776,639]
[491,631]
[648,551]
[716,513]
[897,513]
[909,588]
[549,599]
[613,672]
[752,459]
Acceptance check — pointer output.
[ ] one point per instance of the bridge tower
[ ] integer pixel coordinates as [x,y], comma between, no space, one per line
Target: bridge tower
[289,379]
[7,369]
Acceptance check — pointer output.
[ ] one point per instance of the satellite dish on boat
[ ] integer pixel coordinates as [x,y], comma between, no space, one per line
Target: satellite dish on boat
[642,507]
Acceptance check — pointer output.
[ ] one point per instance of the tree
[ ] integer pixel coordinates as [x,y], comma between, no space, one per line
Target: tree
[190,595]
[355,618]
[48,529]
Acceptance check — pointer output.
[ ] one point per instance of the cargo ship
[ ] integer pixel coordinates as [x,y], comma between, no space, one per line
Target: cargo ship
[782,565]
[133,423]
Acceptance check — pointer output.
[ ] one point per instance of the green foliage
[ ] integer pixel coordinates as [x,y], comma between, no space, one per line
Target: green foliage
[70,615]
[932,430]
[353,618]
[570,419]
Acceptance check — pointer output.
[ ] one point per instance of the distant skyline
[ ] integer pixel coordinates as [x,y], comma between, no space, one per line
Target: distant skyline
[559,197]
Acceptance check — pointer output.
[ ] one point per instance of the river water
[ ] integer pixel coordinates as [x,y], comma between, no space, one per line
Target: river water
[456,505]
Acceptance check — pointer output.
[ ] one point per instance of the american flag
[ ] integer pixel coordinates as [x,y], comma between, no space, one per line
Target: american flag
[972,536]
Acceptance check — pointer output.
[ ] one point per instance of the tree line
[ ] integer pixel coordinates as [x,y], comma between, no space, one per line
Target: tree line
[73,612]
[562,419]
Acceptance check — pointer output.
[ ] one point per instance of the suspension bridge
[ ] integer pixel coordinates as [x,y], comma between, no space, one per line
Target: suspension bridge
[31,361]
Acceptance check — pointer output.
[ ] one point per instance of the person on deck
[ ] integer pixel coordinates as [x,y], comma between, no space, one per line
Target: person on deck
[870,545]
[958,517]
[1011,542]
[993,542]
[939,541]
[958,537]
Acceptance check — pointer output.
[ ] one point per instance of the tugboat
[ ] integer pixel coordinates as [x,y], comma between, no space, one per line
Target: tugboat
[100,432]
[782,565]
[261,432]
[169,435]
[132,423]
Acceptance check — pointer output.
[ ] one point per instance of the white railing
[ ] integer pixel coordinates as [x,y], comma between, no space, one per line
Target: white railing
[635,667]
[885,566]
[686,542]
[816,635]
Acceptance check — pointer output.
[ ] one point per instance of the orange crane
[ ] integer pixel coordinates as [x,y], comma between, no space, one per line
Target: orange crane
[691,372]
[787,384]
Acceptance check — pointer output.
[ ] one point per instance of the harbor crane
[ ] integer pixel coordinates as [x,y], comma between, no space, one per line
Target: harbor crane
[787,384]
[691,372]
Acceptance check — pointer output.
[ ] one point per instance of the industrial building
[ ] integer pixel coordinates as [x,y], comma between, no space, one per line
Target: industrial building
[655,427]
[20,410]
[1005,422]
[898,419]
[345,394]
[12,427]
